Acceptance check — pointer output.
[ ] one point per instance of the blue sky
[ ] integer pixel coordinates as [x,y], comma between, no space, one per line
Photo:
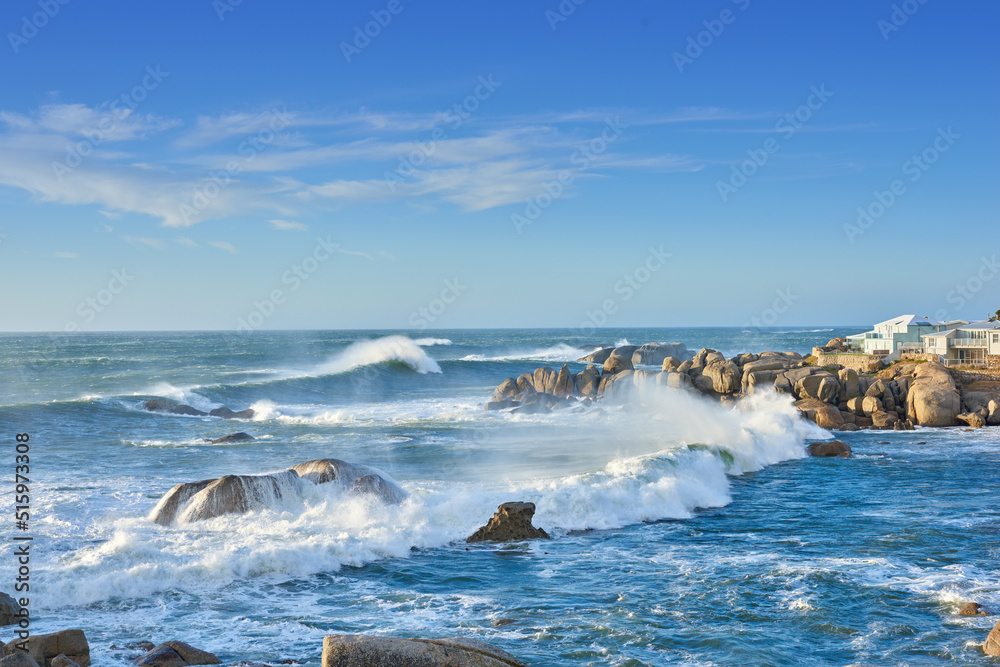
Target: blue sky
[186,165]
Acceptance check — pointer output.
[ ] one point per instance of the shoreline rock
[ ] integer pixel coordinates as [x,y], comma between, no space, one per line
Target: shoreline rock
[512,522]
[372,651]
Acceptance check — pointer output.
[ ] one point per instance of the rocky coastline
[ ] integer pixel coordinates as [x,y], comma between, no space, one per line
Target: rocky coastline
[898,397]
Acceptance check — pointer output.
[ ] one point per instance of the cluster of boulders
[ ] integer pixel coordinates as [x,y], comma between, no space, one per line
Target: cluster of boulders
[238,494]
[66,648]
[834,397]
[175,408]
[369,651]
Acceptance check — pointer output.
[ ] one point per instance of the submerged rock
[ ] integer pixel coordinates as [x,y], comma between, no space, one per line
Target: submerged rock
[367,651]
[175,408]
[43,648]
[176,654]
[232,437]
[226,413]
[512,521]
[972,609]
[830,449]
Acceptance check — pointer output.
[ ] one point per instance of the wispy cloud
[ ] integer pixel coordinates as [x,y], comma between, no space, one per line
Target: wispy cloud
[287,225]
[223,245]
[144,242]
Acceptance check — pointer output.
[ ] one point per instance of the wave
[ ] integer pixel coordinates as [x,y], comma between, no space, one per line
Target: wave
[429,342]
[691,447]
[561,352]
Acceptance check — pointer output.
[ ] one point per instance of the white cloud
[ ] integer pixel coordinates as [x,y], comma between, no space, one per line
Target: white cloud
[222,245]
[144,242]
[101,123]
[183,240]
[287,224]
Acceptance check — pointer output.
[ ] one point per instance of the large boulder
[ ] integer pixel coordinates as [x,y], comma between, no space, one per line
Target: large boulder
[43,648]
[973,419]
[857,406]
[933,398]
[972,609]
[654,354]
[23,660]
[564,385]
[587,381]
[617,363]
[849,387]
[238,494]
[176,654]
[705,356]
[598,357]
[358,479]
[766,364]
[870,405]
[526,383]
[367,651]
[830,449]
[823,386]
[993,410]
[671,364]
[226,413]
[822,414]
[512,521]
[544,379]
[617,386]
[754,379]
[992,644]
[506,390]
[9,609]
[725,376]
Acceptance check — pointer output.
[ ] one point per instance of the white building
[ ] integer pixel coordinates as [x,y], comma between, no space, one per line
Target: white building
[966,344]
[900,333]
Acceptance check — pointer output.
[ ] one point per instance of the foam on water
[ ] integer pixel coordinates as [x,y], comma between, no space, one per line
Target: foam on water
[430,342]
[561,352]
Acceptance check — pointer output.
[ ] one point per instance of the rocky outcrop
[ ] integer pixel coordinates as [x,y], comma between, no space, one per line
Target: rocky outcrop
[598,357]
[564,385]
[992,644]
[20,660]
[512,521]
[176,654]
[232,437]
[973,419]
[175,408]
[620,360]
[238,494]
[933,398]
[43,648]
[972,609]
[9,609]
[368,651]
[830,449]
[654,354]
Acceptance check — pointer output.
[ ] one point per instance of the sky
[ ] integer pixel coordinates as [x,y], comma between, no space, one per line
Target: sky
[245,165]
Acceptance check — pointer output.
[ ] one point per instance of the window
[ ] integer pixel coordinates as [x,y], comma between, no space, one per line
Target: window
[996,338]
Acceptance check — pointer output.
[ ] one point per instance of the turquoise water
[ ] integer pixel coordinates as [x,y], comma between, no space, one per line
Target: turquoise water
[684,533]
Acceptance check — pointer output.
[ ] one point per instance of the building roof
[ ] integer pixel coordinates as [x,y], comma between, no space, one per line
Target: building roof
[991,325]
[911,320]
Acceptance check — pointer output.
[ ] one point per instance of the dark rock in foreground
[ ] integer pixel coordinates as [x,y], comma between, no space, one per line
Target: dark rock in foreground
[830,449]
[43,648]
[366,651]
[992,645]
[512,521]
[8,610]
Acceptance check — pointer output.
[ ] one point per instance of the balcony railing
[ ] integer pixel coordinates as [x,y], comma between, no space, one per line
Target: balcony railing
[967,342]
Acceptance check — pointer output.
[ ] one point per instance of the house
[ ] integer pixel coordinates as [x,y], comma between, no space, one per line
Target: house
[972,344]
[900,333]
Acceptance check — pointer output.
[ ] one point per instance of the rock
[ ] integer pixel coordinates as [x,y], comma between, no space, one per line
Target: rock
[654,354]
[870,405]
[617,363]
[705,356]
[789,381]
[863,422]
[933,398]
[544,380]
[367,651]
[176,654]
[973,419]
[815,410]
[884,419]
[849,387]
[829,449]
[848,416]
[993,413]
[671,364]
[703,383]
[62,661]
[598,357]
[226,413]
[972,609]
[725,376]
[587,381]
[238,494]
[768,364]
[43,648]
[326,471]
[856,405]
[9,609]
[753,379]
[992,644]
[644,378]
[165,512]
[684,367]
[506,390]
[617,386]
[822,386]
[18,659]
[525,383]
[849,427]
[512,521]
[502,405]
[564,385]
[232,437]
[679,380]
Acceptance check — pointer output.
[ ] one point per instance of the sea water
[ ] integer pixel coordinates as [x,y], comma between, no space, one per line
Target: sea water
[684,532]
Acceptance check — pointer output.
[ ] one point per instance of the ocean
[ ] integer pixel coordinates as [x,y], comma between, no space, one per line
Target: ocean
[684,532]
